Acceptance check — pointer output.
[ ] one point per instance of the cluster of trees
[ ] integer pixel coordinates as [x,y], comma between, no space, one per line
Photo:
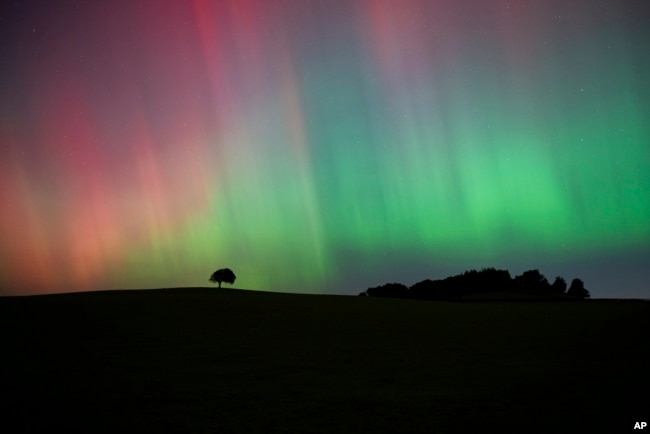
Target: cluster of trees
[487,280]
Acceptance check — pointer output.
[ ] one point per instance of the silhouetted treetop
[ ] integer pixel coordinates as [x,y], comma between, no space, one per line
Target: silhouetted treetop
[532,279]
[559,285]
[577,289]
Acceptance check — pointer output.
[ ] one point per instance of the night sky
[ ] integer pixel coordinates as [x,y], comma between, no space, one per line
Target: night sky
[323,146]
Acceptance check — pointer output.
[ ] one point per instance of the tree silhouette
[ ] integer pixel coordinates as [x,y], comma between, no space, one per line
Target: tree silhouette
[577,289]
[532,279]
[223,275]
[488,283]
[559,285]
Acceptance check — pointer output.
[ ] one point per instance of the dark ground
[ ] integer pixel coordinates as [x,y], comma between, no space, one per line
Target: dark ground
[208,360]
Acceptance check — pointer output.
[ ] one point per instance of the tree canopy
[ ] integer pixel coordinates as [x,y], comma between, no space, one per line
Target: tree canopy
[225,275]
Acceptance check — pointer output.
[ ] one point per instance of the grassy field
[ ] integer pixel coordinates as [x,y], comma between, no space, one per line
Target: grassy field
[218,361]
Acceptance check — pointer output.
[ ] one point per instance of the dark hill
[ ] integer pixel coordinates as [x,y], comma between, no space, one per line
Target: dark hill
[207,360]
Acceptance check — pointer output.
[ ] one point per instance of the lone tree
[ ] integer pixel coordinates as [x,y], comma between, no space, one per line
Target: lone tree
[577,289]
[223,275]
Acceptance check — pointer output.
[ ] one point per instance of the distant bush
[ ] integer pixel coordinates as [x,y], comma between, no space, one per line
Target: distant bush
[395,290]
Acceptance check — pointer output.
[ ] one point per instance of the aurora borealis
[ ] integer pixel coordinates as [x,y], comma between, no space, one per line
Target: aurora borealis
[323,146]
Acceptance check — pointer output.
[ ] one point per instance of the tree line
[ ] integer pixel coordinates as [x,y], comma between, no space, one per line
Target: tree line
[485,281]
